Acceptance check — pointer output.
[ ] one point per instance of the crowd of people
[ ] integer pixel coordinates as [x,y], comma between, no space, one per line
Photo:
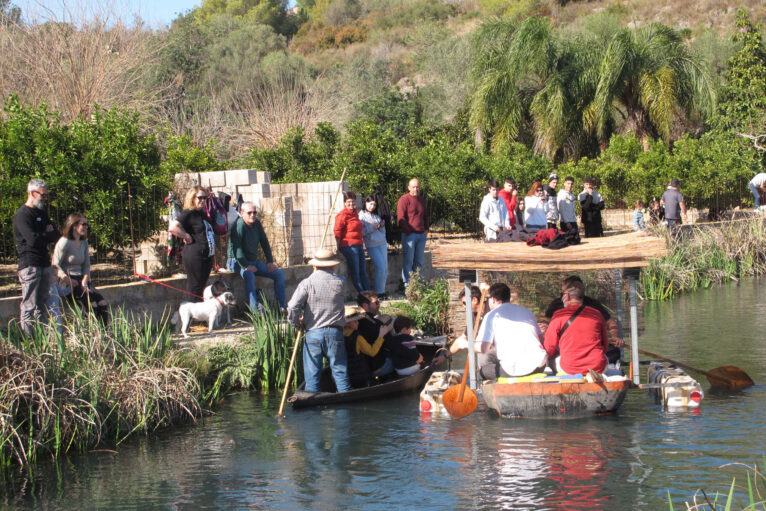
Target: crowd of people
[360,346]
[503,211]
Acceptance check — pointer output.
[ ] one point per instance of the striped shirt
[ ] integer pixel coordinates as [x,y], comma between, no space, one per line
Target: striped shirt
[320,298]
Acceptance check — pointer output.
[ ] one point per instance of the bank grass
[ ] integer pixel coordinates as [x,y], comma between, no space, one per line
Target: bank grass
[703,255]
[427,305]
[258,360]
[78,385]
[732,500]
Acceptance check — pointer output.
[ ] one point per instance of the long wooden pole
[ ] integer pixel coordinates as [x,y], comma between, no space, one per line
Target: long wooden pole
[300,331]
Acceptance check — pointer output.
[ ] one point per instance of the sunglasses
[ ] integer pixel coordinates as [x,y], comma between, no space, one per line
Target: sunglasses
[249,212]
[84,224]
[41,194]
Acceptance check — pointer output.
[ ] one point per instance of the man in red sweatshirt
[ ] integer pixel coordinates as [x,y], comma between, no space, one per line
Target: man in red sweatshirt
[413,222]
[580,343]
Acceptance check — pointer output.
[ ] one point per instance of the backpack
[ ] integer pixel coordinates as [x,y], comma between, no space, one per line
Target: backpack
[216,214]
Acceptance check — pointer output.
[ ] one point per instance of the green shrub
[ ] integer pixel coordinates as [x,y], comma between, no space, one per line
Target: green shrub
[90,165]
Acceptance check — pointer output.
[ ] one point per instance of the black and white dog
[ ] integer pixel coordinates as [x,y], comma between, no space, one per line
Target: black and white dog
[209,310]
[218,288]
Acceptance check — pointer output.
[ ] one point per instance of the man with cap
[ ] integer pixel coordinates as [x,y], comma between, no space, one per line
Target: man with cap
[320,299]
[674,204]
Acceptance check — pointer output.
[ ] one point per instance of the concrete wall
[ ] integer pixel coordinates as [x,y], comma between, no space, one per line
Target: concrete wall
[155,299]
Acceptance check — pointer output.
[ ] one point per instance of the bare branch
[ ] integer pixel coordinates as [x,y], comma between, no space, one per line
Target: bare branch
[756,140]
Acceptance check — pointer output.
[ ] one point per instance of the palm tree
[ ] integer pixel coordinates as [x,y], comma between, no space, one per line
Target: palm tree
[647,80]
[531,84]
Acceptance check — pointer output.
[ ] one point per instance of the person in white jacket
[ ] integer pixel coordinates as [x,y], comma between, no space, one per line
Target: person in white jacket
[566,206]
[493,213]
[535,208]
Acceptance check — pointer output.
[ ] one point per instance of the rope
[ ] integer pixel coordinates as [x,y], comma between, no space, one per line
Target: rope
[144,277]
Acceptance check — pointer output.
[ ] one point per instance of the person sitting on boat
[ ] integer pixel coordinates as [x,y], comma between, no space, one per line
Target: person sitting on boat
[317,307]
[359,373]
[577,335]
[373,331]
[461,342]
[514,332]
[612,331]
[404,353]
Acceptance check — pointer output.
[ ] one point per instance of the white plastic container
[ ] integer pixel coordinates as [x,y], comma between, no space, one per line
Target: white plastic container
[678,389]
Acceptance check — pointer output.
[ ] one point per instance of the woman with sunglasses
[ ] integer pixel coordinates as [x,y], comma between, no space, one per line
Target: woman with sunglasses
[199,241]
[71,260]
[535,208]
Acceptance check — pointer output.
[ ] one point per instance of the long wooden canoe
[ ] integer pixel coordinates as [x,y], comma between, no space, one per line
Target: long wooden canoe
[401,385]
[554,400]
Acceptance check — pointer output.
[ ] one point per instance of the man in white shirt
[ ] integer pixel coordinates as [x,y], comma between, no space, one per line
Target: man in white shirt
[493,213]
[514,331]
[757,186]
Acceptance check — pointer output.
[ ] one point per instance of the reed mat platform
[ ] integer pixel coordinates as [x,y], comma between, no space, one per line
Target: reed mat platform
[632,250]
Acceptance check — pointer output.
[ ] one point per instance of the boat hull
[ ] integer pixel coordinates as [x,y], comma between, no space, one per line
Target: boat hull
[554,400]
[401,385]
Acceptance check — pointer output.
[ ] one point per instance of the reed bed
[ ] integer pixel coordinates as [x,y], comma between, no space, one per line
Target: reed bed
[75,386]
[257,361]
[708,254]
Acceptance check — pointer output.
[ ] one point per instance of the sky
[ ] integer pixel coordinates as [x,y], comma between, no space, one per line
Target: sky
[156,13]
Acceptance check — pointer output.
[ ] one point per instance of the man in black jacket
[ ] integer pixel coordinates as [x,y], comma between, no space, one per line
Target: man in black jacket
[33,231]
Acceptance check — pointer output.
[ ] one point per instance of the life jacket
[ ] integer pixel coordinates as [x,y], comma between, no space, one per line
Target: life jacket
[357,364]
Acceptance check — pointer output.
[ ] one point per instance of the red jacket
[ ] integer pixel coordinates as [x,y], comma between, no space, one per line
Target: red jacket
[510,204]
[583,345]
[348,228]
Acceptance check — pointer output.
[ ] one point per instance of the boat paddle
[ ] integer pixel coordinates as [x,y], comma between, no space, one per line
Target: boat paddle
[724,377]
[458,400]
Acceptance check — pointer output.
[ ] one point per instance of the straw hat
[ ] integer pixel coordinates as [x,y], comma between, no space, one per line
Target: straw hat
[353,313]
[323,258]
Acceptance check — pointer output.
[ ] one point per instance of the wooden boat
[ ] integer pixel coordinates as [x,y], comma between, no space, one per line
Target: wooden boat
[399,385]
[552,400]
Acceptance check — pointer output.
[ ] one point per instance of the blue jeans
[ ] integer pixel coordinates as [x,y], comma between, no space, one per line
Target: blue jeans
[756,196]
[328,343]
[253,295]
[357,266]
[379,256]
[413,248]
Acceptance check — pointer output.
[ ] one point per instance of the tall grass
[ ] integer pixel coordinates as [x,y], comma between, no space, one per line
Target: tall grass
[258,360]
[706,255]
[70,388]
[755,491]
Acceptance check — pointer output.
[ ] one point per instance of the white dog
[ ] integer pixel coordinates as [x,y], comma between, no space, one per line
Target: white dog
[217,288]
[209,311]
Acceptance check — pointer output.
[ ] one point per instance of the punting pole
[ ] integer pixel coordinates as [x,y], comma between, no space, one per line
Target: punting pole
[471,339]
[634,330]
[618,303]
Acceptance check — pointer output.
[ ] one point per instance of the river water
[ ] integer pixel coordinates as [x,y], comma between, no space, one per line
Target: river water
[386,455]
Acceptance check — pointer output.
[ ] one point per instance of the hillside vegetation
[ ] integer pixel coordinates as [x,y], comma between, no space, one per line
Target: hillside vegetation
[630,92]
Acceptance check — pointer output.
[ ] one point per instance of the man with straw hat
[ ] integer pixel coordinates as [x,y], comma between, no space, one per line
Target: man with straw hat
[320,300]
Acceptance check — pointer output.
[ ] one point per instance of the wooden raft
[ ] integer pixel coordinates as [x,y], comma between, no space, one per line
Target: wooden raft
[630,250]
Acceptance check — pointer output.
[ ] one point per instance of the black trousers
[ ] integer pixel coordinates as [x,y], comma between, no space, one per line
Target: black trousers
[197,273]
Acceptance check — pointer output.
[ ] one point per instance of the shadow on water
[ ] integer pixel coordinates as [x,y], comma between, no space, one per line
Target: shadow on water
[385,455]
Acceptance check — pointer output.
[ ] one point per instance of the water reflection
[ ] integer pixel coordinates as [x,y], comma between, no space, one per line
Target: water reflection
[384,455]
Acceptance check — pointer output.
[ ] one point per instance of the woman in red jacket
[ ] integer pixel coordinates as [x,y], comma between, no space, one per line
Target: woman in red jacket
[348,233]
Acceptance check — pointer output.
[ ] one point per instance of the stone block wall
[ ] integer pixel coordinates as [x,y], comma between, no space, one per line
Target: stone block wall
[294,215]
